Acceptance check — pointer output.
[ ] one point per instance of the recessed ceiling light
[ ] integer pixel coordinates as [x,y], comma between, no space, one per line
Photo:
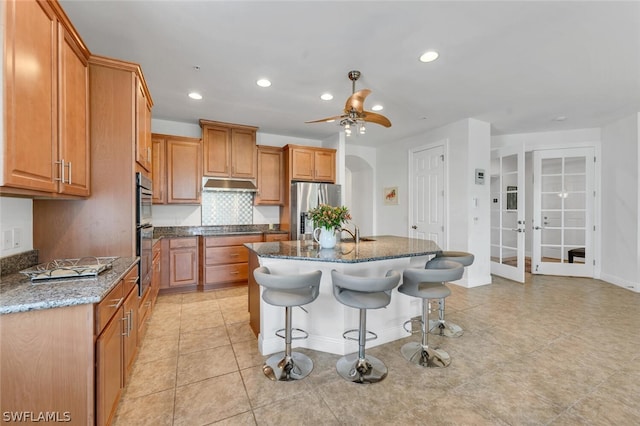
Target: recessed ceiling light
[560,118]
[326,96]
[195,95]
[263,82]
[429,56]
[377,107]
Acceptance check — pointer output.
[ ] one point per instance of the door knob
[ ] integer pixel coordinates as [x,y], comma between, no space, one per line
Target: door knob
[414,227]
[537,227]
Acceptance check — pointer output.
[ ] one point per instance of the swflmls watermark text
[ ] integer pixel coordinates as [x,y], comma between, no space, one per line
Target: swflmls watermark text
[36,416]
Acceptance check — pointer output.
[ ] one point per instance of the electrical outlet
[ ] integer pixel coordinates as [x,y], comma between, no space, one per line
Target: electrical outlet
[7,239]
[17,237]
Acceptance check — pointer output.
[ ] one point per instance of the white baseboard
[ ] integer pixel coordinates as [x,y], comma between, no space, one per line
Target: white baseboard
[620,282]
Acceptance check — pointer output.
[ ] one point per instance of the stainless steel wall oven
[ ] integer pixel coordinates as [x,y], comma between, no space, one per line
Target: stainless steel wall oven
[144,230]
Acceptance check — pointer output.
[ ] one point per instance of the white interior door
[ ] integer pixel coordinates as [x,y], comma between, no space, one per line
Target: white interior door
[507,213]
[563,199]
[426,208]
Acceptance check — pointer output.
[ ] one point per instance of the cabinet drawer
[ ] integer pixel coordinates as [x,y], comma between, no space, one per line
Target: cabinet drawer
[233,254]
[109,306]
[226,273]
[276,237]
[183,242]
[130,280]
[234,240]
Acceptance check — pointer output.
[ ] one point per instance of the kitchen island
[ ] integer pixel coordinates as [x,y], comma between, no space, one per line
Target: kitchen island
[326,319]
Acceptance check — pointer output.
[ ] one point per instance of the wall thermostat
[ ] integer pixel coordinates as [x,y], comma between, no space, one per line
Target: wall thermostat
[479,176]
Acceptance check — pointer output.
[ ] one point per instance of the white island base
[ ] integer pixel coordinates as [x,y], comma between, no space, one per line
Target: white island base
[327,319]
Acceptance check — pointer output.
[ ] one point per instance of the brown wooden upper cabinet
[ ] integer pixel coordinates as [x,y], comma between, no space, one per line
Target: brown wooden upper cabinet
[159,169]
[143,128]
[46,113]
[177,169]
[310,164]
[229,150]
[270,180]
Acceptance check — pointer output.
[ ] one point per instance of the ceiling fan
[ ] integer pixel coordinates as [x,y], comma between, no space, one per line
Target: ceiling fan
[354,113]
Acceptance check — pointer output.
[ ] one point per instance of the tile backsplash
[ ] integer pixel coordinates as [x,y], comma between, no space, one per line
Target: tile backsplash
[227,208]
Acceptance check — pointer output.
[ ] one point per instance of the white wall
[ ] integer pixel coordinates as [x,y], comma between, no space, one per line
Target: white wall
[620,203]
[359,187]
[468,227]
[16,214]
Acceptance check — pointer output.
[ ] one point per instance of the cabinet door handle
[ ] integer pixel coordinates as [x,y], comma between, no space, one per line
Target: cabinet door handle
[117,304]
[61,178]
[69,166]
[126,326]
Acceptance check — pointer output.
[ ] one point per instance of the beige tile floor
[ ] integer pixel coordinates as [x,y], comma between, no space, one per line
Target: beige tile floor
[559,351]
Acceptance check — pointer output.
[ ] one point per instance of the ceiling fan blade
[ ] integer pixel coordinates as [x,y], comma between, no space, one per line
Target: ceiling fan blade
[356,101]
[373,117]
[324,120]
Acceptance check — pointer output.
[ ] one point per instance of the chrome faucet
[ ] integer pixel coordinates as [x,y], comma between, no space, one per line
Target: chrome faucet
[356,236]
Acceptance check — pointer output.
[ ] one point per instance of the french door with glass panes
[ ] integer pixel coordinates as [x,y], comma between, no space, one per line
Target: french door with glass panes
[507,213]
[563,200]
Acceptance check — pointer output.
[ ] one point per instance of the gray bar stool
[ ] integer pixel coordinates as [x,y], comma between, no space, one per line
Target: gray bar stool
[427,284]
[363,293]
[288,291]
[442,327]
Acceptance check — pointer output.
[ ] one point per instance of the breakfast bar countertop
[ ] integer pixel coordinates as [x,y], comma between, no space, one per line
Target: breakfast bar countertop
[367,250]
[19,294]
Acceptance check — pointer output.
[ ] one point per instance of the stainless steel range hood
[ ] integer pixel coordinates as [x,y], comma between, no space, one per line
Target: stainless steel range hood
[237,185]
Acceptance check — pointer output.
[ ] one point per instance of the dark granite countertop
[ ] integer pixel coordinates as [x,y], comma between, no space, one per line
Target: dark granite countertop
[19,294]
[380,248]
[212,231]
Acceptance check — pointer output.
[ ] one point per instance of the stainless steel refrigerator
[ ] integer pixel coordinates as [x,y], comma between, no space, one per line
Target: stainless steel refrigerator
[306,196]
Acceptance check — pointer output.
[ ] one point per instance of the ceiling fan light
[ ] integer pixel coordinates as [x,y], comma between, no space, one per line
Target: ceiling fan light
[429,56]
[363,130]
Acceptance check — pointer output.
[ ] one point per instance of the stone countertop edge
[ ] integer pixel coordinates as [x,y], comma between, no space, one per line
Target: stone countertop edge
[19,294]
[213,231]
[383,247]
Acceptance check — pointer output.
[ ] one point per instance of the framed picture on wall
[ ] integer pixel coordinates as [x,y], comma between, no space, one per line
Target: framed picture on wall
[512,198]
[390,195]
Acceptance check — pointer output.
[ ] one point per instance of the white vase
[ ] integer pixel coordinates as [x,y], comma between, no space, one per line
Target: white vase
[327,238]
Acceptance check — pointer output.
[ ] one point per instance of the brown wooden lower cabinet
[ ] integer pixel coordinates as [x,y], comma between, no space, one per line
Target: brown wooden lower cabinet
[180,255]
[207,262]
[148,299]
[116,345]
[224,260]
[73,361]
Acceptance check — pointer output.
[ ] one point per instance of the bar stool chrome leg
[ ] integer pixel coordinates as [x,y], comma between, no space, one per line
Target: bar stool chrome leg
[361,368]
[287,365]
[444,328]
[419,352]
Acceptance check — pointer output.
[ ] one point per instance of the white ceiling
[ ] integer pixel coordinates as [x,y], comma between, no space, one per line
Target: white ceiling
[516,65]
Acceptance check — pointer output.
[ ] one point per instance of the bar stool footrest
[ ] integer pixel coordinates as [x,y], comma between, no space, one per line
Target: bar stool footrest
[281,333]
[346,336]
[412,321]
